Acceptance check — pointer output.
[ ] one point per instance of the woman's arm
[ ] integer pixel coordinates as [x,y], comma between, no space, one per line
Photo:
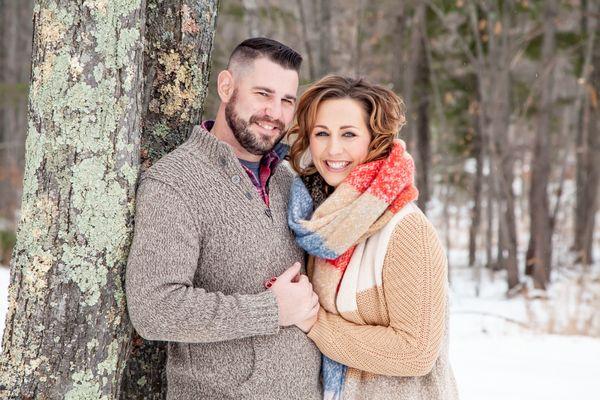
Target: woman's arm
[415,289]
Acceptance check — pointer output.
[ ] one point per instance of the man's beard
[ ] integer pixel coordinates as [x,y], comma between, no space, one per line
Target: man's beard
[254,143]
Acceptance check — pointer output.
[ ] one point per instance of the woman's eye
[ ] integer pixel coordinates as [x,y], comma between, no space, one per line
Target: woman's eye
[321,133]
[349,134]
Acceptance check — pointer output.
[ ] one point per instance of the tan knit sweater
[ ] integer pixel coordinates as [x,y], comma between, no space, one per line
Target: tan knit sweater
[204,244]
[395,344]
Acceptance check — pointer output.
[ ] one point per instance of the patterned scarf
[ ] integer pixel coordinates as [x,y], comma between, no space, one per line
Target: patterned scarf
[359,207]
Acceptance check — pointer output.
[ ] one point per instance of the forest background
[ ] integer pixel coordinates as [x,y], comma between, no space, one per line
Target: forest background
[503,120]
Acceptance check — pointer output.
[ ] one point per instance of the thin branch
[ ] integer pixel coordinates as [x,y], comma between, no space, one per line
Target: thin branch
[436,10]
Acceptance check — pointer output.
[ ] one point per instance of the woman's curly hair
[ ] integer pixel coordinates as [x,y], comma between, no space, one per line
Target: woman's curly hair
[385,111]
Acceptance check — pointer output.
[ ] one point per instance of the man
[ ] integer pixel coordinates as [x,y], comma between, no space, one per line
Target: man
[211,228]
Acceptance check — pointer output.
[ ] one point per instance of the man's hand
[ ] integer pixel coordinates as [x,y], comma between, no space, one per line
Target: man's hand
[295,297]
[307,324]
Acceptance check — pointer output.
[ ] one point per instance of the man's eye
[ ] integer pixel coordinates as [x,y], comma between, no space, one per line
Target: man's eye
[264,94]
[288,101]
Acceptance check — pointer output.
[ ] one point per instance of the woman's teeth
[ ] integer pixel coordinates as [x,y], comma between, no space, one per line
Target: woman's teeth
[337,164]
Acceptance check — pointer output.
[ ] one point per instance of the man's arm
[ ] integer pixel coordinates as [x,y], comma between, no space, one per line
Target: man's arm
[162,301]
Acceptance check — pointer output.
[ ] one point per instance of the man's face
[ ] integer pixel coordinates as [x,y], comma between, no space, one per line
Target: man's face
[262,105]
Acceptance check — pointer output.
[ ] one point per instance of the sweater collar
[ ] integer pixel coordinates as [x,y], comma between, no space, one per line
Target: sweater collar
[208,144]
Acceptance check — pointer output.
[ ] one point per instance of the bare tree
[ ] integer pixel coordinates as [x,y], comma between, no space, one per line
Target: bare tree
[477,149]
[251,18]
[539,252]
[423,140]
[15,58]
[307,40]
[324,33]
[588,141]
[493,75]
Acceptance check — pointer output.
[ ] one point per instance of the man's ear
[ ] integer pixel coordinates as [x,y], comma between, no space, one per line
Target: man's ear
[225,85]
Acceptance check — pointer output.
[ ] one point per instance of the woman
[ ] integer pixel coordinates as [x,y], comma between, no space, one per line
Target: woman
[375,260]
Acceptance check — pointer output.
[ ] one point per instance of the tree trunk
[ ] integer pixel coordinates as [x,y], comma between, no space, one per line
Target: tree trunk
[477,185]
[399,50]
[539,252]
[67,332]
[360,33]
[306,40]
[250,18]
[15,58]
[410,74]
[493,75]
[324,29]
[423,144]
[588,148]
[179,39]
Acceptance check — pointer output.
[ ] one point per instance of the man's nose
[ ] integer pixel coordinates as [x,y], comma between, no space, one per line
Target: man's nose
[273,109]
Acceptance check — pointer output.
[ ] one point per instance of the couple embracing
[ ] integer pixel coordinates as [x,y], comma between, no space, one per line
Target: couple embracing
[291,273]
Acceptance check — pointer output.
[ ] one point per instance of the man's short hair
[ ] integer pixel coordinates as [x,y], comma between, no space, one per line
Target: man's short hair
[253,48]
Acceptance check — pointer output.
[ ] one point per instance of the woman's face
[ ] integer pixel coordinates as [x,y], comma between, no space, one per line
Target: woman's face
[340,139]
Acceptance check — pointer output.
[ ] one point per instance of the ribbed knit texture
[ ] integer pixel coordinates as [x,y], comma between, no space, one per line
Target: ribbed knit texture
[396,342]
[204,243]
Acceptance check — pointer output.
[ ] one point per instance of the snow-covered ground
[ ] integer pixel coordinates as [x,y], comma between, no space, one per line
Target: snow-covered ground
[500,348]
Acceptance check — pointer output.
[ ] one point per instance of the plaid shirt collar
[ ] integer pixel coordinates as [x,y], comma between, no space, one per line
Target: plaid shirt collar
[267,166]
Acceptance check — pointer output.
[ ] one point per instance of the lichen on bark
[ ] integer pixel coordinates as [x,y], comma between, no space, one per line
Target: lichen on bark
[82,159]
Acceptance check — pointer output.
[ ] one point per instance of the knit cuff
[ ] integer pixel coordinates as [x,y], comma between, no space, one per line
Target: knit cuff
[262,314]
[320,334]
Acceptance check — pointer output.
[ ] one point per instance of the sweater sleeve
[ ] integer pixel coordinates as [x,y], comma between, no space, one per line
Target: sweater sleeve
[415,290]
[162,301]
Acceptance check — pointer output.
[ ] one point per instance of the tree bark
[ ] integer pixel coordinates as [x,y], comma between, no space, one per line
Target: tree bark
[324,29]
[306,40]
[477,188]
[588,145]
[493,75]
[399,48]
[179,39]
[67,332]
[423,143]
[410,74]
[251,18]
[15,58]
[539,252]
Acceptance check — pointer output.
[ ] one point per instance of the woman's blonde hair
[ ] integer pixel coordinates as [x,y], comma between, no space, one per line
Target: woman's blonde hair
[384,110]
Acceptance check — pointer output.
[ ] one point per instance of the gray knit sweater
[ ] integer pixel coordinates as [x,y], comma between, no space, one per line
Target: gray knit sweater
[204,243]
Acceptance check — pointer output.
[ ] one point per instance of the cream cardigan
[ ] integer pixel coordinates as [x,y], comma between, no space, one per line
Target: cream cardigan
[391,325]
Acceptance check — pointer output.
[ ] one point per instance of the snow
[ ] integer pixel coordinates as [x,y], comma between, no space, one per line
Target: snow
[500,348]
[524,367]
